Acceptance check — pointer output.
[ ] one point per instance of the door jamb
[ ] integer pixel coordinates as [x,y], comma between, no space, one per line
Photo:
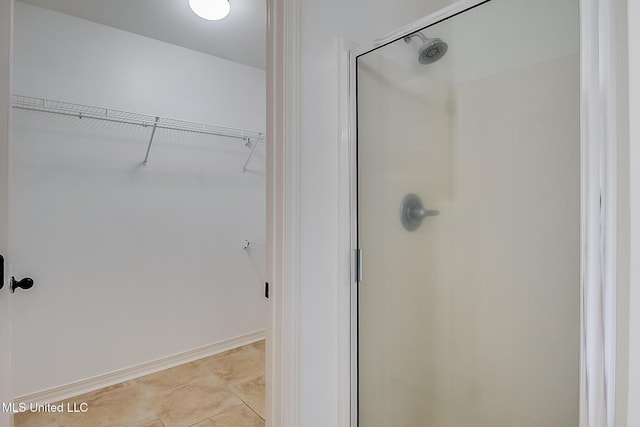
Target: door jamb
[283,135]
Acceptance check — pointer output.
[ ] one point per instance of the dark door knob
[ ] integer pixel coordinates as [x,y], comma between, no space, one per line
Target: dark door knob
[25,283]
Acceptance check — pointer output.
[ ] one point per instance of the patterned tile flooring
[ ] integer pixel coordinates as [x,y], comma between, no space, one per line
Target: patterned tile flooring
[224,390]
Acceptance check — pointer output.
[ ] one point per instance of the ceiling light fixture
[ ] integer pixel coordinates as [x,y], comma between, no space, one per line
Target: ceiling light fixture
[211,10]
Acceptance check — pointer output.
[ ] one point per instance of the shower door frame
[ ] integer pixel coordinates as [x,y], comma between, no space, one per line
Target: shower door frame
[598,202]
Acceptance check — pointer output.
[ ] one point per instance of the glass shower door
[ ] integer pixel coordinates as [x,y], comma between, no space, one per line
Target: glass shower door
[468,221]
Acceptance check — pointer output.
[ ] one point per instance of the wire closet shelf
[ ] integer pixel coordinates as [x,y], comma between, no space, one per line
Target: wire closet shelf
[250,137]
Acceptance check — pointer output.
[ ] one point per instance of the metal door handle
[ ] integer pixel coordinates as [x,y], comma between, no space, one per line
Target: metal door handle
[26,283]
[1,272]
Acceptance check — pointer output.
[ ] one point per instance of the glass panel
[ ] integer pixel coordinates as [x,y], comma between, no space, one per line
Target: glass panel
[469,309]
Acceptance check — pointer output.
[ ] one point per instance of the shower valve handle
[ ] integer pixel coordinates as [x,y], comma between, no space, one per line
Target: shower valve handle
[421,213]
[412,212]
[26,283]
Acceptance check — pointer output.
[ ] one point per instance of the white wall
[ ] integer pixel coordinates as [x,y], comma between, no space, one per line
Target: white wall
[634,168]
[131,263]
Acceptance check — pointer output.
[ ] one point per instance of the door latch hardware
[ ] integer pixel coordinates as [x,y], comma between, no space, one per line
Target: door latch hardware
[1,272]
[26,283]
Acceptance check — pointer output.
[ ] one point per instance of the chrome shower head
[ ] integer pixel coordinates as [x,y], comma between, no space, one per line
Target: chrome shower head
[431,50]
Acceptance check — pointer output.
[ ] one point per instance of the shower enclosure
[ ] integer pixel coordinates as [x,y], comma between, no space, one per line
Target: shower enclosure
[468,220]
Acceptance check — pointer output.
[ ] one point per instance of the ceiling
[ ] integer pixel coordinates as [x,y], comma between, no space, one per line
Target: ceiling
[240,37]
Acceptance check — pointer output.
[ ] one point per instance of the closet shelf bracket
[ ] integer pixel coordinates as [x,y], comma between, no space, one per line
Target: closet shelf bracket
[153,132]
[252,146]
[251,244]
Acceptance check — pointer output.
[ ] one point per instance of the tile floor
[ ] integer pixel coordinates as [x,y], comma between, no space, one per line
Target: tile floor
[224,390]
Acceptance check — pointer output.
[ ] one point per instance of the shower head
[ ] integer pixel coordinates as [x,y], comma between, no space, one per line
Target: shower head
[431,50]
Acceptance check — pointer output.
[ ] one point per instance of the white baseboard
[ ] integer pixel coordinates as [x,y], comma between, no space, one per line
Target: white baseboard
[100,381]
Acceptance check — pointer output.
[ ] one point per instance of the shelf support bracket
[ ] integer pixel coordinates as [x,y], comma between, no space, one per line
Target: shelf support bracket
[253,150]
[153,132]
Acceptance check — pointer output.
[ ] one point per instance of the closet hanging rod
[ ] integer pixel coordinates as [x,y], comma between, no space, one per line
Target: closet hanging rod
[118,116]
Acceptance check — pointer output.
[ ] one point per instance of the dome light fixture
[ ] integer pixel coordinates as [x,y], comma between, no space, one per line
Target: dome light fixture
[211,10]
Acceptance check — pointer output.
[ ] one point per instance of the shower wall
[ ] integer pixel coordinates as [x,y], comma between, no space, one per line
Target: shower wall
[465,308]
[515,285]
[131,263]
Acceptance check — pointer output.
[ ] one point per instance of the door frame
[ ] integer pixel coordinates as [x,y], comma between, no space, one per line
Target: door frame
[283,59]
[598,202]
[283,162]
[6,30]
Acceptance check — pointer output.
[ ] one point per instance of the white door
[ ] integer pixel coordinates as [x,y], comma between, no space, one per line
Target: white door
[5,43]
